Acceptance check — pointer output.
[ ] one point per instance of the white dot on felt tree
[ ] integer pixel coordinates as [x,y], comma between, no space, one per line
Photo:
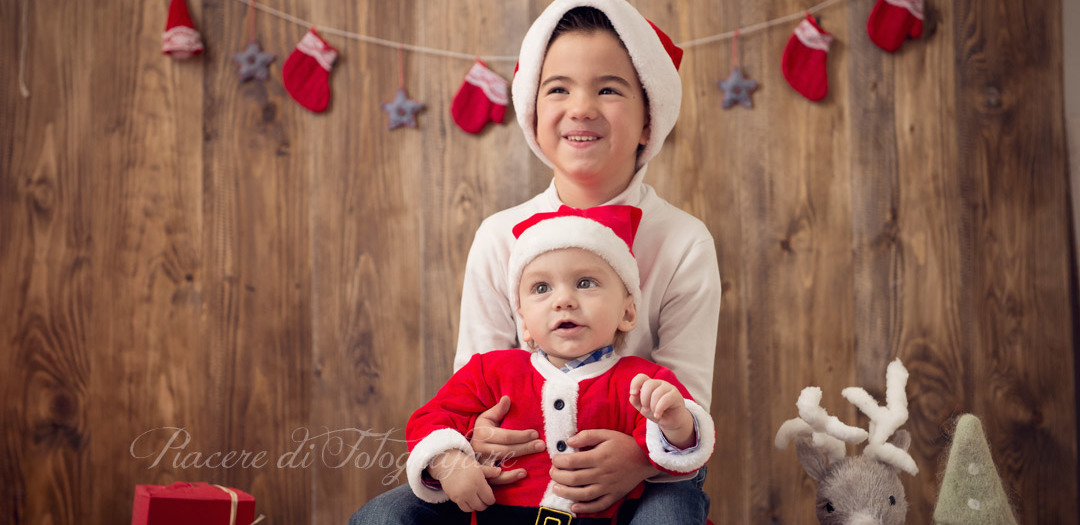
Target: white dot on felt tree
[974,504]
[973,469]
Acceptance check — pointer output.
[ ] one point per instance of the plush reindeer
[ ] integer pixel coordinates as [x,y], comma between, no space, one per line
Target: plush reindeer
[858,490]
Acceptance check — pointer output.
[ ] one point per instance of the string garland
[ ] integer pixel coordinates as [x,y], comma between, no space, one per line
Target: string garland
[374,40]
[25,92]
[757,27]
[513,58]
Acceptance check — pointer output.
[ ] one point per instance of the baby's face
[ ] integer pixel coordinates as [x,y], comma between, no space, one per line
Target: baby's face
[590,110]
[573,302]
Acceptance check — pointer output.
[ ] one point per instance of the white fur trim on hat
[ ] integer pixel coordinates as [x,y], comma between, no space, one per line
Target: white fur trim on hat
[654,67]
[683,462]
[572,232]
[424,452]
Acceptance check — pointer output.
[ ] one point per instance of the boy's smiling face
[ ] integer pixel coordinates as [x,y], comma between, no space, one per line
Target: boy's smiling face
[590,116]
[573,302]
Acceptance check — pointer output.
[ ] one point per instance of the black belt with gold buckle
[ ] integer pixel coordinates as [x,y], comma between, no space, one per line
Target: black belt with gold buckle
[549,516]
[511,515]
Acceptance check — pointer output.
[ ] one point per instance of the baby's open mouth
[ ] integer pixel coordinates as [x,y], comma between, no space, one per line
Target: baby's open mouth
[567,324]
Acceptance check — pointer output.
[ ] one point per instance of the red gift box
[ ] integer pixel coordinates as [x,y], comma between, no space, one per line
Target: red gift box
[186,503]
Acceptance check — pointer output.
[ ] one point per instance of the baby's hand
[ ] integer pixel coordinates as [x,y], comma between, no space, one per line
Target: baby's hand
[464,480]
[655,399]
[663,404]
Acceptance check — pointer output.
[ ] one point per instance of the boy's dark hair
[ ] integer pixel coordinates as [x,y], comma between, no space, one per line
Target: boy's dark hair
[588,20]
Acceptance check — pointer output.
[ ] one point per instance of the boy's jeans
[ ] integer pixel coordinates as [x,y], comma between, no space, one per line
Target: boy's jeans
[678,503]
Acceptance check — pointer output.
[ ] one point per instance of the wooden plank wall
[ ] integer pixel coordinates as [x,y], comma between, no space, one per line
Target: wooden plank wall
[191,265]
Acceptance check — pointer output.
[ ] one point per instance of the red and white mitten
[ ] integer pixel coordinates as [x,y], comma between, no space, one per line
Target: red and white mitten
[805,59]
[306,73]
[893,21]
[180,39]
[481,99]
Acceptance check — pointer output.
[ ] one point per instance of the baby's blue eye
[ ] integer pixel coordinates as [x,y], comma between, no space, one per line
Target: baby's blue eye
[586,283]
[540,288]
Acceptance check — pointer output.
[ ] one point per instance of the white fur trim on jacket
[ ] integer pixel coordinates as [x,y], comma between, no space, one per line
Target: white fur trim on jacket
[683,462]
[551,501]
[654,67]
[426,450]
[572,232]
[559,425]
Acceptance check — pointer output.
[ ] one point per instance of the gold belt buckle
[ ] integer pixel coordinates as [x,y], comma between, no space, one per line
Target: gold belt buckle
[550,516]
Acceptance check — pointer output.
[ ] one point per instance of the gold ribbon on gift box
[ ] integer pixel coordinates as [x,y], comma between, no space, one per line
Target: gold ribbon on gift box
[236,502]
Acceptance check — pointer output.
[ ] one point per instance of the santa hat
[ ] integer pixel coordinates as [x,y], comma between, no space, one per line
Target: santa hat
[655,57]
[607,231]
[180,39]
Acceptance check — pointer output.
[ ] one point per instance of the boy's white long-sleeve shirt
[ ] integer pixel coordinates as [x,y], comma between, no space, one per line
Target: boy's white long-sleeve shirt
[680,287]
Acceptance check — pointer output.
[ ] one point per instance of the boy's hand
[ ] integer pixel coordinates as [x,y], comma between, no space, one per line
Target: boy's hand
[608,466]
[663,404]
[464,480]
[493,444]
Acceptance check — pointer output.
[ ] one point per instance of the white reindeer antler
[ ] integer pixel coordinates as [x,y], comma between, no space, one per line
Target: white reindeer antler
[884,421]
[828,432]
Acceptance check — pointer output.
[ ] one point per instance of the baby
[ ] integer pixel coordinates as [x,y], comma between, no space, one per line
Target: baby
[574,281]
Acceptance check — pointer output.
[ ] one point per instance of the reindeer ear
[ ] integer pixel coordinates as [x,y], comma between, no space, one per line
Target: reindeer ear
[813,462]
[901,439]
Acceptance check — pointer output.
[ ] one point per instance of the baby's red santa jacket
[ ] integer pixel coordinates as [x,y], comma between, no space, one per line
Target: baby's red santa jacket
[557,404]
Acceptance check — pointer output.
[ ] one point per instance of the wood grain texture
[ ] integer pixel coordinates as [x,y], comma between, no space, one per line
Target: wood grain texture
[905,257]
[367,260]
[695,171]
[1018,390]
[144,195]
[193,262]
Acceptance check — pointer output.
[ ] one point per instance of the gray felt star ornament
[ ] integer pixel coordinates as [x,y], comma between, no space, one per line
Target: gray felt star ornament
[737,89]
[253,62]
[402,111]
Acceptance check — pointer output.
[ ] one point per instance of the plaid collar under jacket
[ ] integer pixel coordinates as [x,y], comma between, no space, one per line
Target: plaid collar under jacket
[607,352]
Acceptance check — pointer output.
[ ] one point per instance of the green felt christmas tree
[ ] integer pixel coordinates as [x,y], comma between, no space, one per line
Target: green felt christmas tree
[971,492]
